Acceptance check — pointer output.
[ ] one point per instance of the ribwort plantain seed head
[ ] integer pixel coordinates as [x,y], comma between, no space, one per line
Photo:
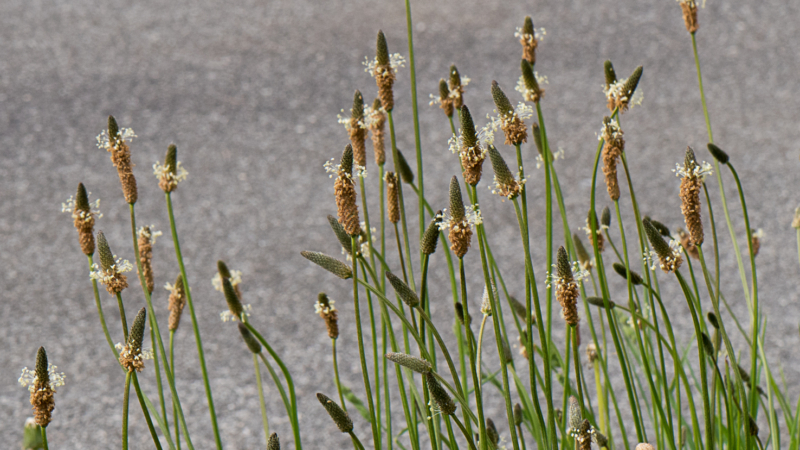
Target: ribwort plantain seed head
[405,293]
[431,236]
[412,362]
[339,416]
[329,263]
[439,395]
[718,153]
[250,340]
[611,76]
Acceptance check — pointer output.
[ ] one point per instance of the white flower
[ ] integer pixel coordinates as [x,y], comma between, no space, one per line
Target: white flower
[486,304]
[578,275]
[472,218]
[372,116]
[538,34]
[120,266]
[236,278]
[396,61]
[149,233]
[163,172]
[28,378]
[529,94]
[124,350]
[94,209]
[556,156]
[457,146]
[361,171]
[320,308]
[522,111]
[124,134]
[610,131]
[616,93]
[347,121]
[228,316]
[652,259]
[698,170]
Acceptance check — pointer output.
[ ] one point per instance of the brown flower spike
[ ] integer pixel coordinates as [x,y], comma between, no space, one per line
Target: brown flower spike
[114,141]
[146,239]
[131,357]
[356,128]
[527,37]
[83,216]
[469,149]
[513,127]
[171,173]
[456,85]
[566,288]
[376,123]
[110,270]
[177,301]
[689,9]
[324,307]
[383,68]
[345,193]
[691,185]
[392,197]
[42,383]
[613,146]
[460,229]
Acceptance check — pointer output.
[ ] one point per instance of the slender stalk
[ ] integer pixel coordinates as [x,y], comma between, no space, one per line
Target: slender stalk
[358,445]
[100,311]
[140,396]
[158,373]
[336,374]
[151,312]
[531,287]
[465,432]
[44,437]
[261,402]
[415,115]
[291,405]
[125,411]
[174,406]
[476,380]
[396,160]
[122,317]
[361,351]
[195,326]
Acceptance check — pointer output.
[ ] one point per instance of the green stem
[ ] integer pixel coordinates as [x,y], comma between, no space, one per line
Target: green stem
[44,437]
[476,380]
[292,408]
[158,373]
[358,445]
[147,419]
[262,403]
[415,115]
[122,317]
[195,326]
[151,312]
[361,351]
[396,160]
[336,374]
[174,407]
[100,311]
[125,399]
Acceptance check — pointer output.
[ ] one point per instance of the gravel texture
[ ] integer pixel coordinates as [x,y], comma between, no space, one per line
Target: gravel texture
[249,91]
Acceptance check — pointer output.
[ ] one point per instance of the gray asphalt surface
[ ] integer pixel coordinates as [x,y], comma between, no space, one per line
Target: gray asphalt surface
[249,91]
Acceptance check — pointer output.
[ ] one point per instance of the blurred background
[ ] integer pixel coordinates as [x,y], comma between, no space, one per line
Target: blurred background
[249,92]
